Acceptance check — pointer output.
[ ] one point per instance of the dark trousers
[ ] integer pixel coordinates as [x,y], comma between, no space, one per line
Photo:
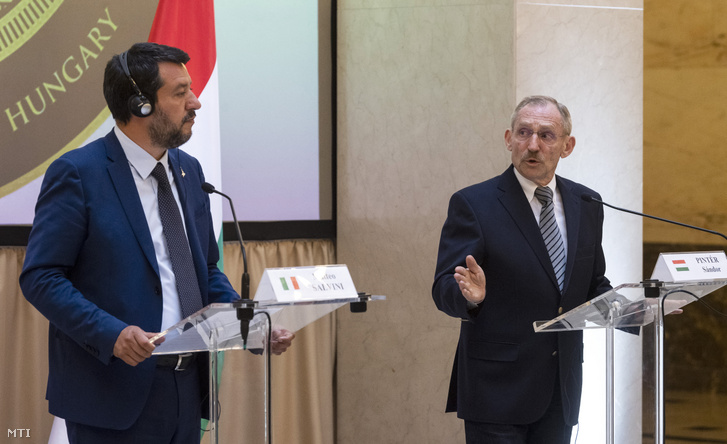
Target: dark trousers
[550,429]
[172,414]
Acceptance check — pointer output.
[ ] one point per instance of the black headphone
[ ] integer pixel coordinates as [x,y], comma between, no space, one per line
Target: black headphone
[139,105]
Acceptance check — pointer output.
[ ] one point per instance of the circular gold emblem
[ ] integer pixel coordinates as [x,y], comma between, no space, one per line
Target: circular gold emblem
[52,57]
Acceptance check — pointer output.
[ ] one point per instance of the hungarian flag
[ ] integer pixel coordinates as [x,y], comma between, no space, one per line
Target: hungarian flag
[190,25]
[680,264]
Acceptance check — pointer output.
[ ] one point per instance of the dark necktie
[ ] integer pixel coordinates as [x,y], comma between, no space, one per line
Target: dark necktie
[551,233]
[177,244]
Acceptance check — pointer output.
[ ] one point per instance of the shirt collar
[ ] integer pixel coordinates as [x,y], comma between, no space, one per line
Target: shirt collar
[529,186]
[139,159]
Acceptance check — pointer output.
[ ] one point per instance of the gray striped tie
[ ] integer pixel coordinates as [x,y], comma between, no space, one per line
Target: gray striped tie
[551,233]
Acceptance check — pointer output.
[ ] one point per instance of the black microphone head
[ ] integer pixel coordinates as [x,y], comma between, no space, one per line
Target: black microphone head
[208,188]
[587,197]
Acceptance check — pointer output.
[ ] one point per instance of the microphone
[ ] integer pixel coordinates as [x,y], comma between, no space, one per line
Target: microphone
[589,198]
[245,311]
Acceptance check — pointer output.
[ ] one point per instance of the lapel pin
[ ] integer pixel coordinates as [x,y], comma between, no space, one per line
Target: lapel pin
[183,174]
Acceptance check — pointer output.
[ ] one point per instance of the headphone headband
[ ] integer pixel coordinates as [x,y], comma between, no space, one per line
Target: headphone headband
[139,105]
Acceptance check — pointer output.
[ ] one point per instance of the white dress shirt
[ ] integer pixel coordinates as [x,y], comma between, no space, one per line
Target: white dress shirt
[529,190]
[141,164]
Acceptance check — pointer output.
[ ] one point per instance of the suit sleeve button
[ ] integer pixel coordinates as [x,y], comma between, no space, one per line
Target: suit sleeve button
[555,353]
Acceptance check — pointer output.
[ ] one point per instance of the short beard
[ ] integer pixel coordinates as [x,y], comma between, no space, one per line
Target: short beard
[164,134]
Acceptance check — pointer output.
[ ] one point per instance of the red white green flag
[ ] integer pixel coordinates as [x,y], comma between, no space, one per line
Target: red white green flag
[681,265]
[190,25]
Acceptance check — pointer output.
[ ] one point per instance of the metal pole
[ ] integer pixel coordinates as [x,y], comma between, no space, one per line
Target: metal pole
[659,375]
[610,379]
[268,382]
[213,391]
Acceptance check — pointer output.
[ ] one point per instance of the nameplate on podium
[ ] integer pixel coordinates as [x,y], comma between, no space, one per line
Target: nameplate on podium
[690,266]
[314,283]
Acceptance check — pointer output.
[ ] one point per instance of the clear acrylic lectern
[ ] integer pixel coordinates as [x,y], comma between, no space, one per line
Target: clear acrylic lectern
[217,328]
[632,305]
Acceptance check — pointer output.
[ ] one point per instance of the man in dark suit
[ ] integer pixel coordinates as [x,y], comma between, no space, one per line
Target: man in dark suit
[498,271]
[103,264]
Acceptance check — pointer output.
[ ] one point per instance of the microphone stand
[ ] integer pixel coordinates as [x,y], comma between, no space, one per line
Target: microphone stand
[589,198]
[246,307]
[652,289]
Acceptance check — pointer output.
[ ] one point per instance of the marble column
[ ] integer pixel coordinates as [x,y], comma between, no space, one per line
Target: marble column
[589,55]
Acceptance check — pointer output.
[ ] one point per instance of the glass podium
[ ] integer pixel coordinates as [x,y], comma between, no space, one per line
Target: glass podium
[628,307]
[245,325]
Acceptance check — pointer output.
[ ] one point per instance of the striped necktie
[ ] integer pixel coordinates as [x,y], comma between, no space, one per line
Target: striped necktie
[551,233]
[177,244]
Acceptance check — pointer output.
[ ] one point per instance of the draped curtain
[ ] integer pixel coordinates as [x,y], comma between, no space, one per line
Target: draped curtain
[302,378]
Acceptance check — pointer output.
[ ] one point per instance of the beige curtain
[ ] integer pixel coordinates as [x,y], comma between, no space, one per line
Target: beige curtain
[302,378]
[24,354]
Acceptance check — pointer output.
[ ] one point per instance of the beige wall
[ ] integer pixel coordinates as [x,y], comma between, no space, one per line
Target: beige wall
[425,90]
[422,85]
[685,91]
[685,78]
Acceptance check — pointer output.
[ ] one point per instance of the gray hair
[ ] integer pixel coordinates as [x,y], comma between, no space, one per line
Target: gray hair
[543,101]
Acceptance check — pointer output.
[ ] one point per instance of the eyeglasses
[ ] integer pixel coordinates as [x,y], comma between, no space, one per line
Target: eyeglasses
[547,137]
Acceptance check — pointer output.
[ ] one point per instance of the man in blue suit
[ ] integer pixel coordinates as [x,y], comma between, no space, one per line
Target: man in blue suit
[99,267]
[498,271]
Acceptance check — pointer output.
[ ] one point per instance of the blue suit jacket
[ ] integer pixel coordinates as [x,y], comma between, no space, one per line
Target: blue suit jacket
[504,372]
[91,269]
